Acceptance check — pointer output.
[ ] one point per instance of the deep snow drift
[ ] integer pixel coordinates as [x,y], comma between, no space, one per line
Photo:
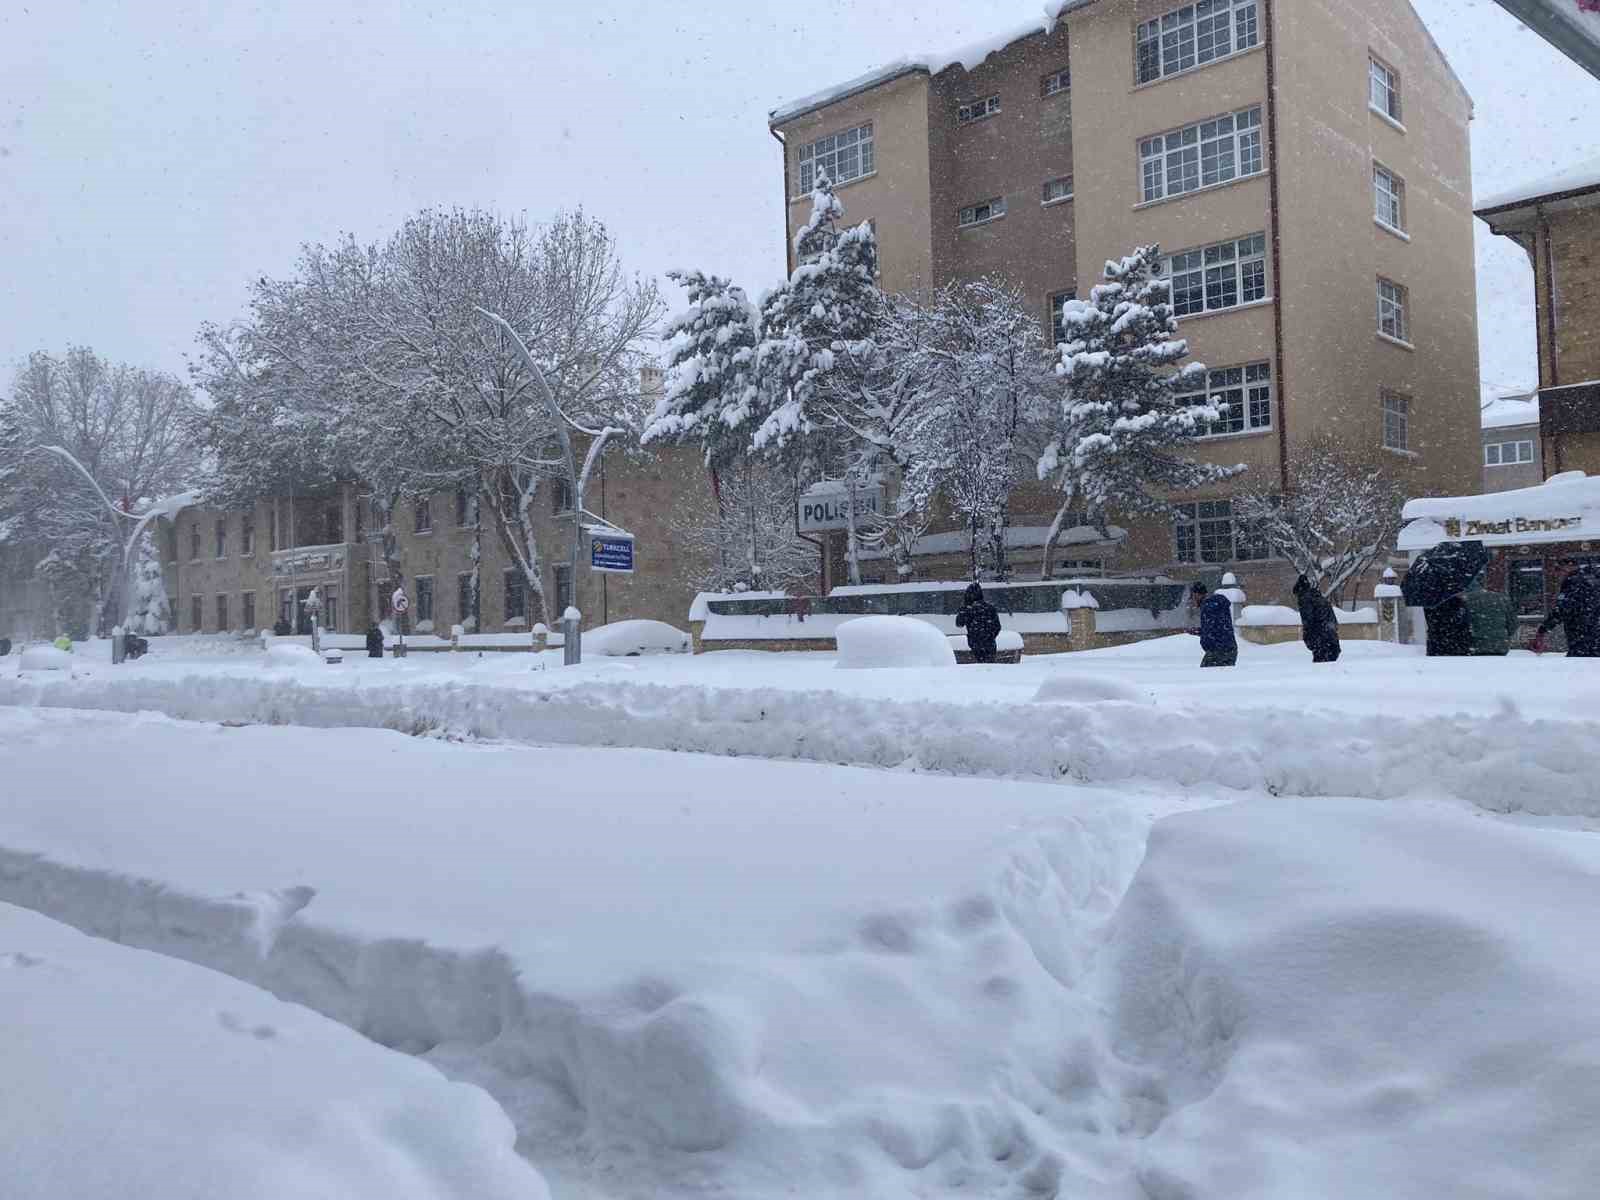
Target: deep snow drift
[684,976]
[130,1074]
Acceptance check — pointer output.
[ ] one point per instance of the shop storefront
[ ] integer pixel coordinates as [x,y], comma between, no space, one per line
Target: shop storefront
[1529,532]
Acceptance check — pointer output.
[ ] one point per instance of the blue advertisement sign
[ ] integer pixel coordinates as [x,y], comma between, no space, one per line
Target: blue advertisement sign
[611,552]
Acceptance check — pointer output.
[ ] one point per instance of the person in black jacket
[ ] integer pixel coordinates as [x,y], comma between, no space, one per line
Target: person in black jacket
[1220,647]
[374,642]
[1577,611]
[1319,627]
[982,623]
[1449,629]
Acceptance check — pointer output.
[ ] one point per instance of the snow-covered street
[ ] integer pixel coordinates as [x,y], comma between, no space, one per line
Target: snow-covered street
[1059,946]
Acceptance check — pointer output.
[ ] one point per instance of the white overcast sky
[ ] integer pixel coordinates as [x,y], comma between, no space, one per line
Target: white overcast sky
[155,155]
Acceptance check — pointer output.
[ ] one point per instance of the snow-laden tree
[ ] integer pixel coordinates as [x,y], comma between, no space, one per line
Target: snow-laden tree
[375,362]
[995,389]
[1119,436]
[128,430]
[829,306]
[745,539]
[1340,516]
[150,614]
[712,390]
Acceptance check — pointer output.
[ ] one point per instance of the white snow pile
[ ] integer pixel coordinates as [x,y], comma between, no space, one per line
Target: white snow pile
[1331,998]
[288,654]
[878,642]
[132,1074]
[44,658]
[624,639]
[1071,688]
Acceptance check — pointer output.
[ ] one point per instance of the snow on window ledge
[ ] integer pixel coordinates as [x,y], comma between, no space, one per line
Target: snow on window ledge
[1200,191]
[1390,229]
[1402,453]
[1394,341]
[1199,66]
[1387,119]
[1235,436]
[838,187]
[1222,312]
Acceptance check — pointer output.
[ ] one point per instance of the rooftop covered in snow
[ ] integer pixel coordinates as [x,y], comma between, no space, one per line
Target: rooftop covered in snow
[968,57]
[1572,180]
[1563,508]
[1505,412]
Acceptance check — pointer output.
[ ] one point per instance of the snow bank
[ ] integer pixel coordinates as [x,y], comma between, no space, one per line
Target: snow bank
[1256,615]
[876,642]
[1247,731]
[1334,998]
[45,658]
[134,1074]
[622,639]
[1071,688]
[291,655]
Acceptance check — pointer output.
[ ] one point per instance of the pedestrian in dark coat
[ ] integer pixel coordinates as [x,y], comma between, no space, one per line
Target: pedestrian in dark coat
[1219,646]
[1449,629]
[1319,627]
[982,623]
[374,642]
[1577,611]
[1494,620]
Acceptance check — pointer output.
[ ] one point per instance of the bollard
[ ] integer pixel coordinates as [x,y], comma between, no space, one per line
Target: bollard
[541,637]
[571,637]
[119,648]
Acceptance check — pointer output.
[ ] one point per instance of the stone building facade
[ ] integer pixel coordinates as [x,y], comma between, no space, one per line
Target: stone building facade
[243,571]
[1306,166]
[1513,453]
[1557,221]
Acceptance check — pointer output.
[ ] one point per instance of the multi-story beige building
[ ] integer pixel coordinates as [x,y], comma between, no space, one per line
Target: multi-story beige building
[1304,165]
[1557,221]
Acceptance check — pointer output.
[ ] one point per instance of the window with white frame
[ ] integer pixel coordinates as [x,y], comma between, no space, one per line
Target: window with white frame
[1195,35]
[1057,190]
[1056,82]
[1243,393]
[1396,421]
[977,110]
[1058,319]
[1508,454]
[1202,155]
[1208,533]
[840,156]
[982,214]
[1219,277]
[1388,198]
[1385,96]
[1393,320]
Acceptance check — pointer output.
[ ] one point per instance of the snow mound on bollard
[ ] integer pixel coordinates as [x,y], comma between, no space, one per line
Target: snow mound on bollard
[1068,688]
[868,642]
[292,656]
[45,658]
[626,638]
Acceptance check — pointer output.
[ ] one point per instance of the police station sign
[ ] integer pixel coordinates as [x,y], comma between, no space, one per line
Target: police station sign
[821,509]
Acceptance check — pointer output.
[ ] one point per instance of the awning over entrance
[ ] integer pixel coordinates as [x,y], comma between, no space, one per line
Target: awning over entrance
[1565,508]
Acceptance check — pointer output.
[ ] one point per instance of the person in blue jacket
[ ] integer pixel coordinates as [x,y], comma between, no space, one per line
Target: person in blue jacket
[1216,627]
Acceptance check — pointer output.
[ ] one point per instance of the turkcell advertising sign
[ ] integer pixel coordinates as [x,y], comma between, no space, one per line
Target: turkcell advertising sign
[611,552]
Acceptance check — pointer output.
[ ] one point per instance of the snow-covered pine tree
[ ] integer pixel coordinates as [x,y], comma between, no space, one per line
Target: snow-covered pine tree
[829,306]
[150,614]
[1119,434]
[711,388]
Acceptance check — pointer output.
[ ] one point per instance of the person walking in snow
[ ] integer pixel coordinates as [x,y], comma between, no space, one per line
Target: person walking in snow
[1220,647]
[1449,629]
[374,642]
[982,623]
[1319,627]
[1577,611]
[1493,617]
